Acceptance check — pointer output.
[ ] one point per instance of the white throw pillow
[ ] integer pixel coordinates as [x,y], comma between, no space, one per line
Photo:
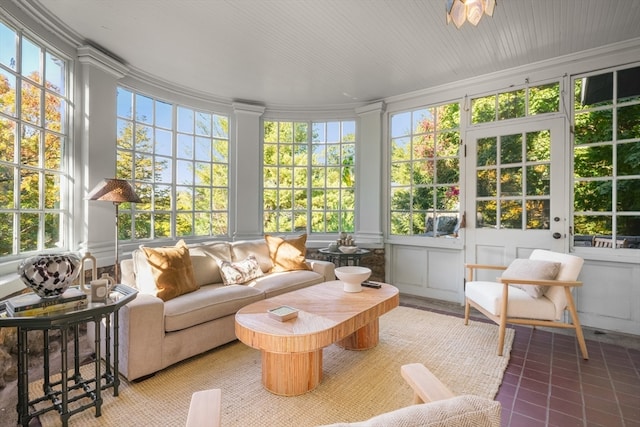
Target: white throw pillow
[235,273]
[532,269]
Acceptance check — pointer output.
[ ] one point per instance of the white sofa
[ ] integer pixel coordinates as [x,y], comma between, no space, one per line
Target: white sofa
[155,334]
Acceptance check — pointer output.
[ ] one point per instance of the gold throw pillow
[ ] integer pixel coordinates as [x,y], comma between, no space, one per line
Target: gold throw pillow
[287,254]
[172,270]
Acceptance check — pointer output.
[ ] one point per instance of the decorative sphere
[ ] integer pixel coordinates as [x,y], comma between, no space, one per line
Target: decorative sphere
[352,277]
[49,275]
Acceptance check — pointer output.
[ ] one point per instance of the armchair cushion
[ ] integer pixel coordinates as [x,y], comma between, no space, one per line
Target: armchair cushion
[532,269]
[466,410]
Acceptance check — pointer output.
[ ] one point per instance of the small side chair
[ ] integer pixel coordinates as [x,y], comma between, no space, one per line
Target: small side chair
[534,291]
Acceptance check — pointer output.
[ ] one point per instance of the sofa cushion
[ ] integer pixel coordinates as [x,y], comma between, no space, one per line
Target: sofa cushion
[532,269]
[287,254]
[459,411]
[242,249]
[205,260]
[278,283]
[236,273]
[172,270]
[208,303]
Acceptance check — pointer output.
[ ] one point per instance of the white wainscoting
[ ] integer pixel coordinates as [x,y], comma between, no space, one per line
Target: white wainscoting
[427,272]
[609,299]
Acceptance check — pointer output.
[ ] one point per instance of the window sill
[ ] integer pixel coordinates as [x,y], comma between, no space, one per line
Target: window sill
[10,284]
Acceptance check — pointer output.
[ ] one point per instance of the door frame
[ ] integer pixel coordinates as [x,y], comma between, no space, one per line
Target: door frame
[561,194]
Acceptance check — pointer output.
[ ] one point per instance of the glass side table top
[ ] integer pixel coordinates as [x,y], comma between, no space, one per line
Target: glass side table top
[119,295]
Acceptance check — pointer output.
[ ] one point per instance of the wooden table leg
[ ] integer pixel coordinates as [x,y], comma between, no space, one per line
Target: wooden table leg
[363,339]
[291,374]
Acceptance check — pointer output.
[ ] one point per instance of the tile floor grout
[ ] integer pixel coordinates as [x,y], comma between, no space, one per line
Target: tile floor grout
[547,383]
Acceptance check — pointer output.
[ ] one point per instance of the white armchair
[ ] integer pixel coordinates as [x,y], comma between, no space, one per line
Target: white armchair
[534,292]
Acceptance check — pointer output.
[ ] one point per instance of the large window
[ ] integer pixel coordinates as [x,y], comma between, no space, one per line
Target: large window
[425,171]
[178,159]
[308,176]
[34,138]
[607,159]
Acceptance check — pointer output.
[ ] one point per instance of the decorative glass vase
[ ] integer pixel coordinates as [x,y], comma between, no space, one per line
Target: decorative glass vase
[49,275]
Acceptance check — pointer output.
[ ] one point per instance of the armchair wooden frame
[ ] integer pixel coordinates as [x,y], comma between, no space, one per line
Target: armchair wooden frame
[503,319]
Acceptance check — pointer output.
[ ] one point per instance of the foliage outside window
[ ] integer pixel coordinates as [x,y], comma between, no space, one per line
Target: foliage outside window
[425,171]
[34,138]
[308,176]
[529,101]
[513,181]
[178,159]
[607,158]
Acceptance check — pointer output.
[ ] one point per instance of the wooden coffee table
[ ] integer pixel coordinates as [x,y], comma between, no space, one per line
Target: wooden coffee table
[292,350]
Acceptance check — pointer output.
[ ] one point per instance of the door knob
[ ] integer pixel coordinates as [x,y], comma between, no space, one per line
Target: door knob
[557,235]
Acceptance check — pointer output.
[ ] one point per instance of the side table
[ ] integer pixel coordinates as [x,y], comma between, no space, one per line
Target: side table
[340,258]
[86,392]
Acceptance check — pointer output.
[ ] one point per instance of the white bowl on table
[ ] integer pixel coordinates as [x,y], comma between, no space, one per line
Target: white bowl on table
[352,277]
[348,249]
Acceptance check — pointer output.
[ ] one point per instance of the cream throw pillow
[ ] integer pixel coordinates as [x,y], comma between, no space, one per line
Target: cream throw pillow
[532,269]
[235,273]
[287,254]
[172,270]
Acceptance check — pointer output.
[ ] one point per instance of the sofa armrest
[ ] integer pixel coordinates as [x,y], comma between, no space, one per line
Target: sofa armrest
[127,273]
[325,268]
[141,336]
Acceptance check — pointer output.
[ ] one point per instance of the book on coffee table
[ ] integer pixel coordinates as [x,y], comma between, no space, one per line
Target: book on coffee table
[31,304]
[283,313]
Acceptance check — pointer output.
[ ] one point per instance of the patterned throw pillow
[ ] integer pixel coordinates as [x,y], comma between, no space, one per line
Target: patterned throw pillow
[235,273]
[532,269]
[172,270]
[287,254]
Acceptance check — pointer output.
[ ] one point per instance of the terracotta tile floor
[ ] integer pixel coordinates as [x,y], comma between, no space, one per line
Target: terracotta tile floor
[547,383]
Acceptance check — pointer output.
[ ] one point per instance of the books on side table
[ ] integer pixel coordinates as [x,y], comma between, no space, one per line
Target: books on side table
[31,304]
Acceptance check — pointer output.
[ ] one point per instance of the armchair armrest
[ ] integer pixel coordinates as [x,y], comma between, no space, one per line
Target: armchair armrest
[565,283]
[325,268]
[473,267]
[426,386]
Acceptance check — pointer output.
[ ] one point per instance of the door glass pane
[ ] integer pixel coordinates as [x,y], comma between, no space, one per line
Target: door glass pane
[511,182]
[538,146]
[486,215]
[511,214]
[487,148]
[538,214]
[511,149]
[538,180]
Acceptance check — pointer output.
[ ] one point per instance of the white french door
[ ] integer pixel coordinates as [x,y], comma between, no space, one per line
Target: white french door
[517,192]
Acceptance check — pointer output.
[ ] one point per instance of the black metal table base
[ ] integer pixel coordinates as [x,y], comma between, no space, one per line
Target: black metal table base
[72,393]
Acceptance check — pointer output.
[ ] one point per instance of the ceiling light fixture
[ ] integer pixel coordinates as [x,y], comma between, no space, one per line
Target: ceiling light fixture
[459,11]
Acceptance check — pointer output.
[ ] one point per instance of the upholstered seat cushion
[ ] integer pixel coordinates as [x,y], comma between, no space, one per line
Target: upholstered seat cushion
[489,294]
[208,303]
[278,283]
[459,411]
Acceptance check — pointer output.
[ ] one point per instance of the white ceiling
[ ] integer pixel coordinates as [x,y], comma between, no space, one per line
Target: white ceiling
[332,52]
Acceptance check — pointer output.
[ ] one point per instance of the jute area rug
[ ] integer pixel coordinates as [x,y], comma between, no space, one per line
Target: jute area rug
[356,385]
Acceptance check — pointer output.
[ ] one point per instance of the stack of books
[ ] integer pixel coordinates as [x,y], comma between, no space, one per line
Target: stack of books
[32,305]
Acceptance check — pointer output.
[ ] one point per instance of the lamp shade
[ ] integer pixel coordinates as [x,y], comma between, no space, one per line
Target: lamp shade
[114,190]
